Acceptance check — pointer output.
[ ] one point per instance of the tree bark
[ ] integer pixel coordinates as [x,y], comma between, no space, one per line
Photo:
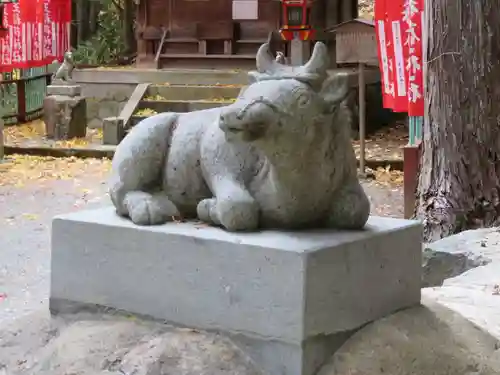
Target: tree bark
[95,7]
[460,175]
[82,14]
[129,8]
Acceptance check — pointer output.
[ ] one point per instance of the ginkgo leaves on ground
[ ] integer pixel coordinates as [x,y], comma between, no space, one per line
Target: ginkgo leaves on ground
[18,170]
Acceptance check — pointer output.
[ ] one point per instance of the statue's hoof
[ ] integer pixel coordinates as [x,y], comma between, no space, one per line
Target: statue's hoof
[205,211]
[146,209]
[238,215]
[232,215]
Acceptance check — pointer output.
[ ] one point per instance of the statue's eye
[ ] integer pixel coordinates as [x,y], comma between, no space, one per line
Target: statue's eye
[302,100]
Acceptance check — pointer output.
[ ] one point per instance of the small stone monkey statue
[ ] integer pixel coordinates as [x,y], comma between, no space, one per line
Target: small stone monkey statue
[280,58]
[65,71]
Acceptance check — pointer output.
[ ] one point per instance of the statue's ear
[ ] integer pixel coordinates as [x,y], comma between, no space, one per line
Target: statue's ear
[254,76]
[335,90]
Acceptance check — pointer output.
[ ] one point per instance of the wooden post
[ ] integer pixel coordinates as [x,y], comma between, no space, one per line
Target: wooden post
[21,100]
[299,52]
[362,116]
[411,168]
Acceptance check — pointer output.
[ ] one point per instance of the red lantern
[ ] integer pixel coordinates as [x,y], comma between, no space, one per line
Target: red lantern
[295,20]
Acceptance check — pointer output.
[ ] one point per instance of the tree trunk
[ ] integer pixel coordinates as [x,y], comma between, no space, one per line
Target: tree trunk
[128,26]
[95,7]
[82,14]
[460,176]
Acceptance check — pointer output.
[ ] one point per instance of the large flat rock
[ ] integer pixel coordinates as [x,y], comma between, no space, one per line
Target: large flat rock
[463,271]
[425,340]
[288,297]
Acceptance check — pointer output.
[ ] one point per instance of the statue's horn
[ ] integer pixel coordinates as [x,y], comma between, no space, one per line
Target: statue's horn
[319,61]
[265,60]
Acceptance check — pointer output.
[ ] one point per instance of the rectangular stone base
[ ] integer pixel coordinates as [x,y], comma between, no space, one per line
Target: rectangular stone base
[64,90]
[290,298]
[65,117]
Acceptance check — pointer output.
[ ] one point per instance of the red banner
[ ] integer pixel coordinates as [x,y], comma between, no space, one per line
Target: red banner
[399,33]
[12,40]
[57,28]
[37,33]
[413,18]
[384,37]
[5,50]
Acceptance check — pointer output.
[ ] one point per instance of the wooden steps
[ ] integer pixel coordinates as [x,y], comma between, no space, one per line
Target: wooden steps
[210,61]
[182,98]
[199,55]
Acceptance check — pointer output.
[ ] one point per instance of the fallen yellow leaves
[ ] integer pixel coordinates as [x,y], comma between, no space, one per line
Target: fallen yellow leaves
[386,144]
[222,100]
[14,134]
[30,216]
[387,176]
[146,112]
[33,134]
[18,170]
[156,97]
[366,9]
[226,85]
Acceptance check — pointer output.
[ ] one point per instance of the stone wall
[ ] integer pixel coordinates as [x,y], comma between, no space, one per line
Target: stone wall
[107,90]
[105,100]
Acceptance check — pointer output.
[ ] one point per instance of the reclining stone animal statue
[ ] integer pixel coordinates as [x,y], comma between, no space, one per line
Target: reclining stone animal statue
[279,157]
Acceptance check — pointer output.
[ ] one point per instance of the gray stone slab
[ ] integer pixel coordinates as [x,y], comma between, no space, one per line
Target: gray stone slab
[64,90]
[296,290]
[113,130]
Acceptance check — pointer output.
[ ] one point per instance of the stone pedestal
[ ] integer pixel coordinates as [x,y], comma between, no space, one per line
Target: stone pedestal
[65,112]
[113,130]
[289,299]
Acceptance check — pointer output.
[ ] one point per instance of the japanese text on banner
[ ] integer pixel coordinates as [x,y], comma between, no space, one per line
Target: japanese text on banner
[16,37]
[394,20]
[5,38]
[413,44]
[384,47]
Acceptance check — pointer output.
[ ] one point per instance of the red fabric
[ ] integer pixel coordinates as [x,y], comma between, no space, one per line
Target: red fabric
[5,52]
[384,37]
[412,18]
[37,33]
[398,26]
[394,12]
[11,44]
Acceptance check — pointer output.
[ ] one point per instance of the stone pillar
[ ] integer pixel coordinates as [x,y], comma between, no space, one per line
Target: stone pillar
[300,52]
[65,111]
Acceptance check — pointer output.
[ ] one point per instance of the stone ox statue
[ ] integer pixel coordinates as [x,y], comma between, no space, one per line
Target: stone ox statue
[280,156]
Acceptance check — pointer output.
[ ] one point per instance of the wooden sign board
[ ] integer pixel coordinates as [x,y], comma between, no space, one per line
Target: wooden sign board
[355,42]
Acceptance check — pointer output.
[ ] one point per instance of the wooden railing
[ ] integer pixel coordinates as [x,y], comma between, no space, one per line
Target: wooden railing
[22,94]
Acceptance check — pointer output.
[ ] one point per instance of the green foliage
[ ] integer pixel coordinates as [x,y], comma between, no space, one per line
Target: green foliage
[107,44]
